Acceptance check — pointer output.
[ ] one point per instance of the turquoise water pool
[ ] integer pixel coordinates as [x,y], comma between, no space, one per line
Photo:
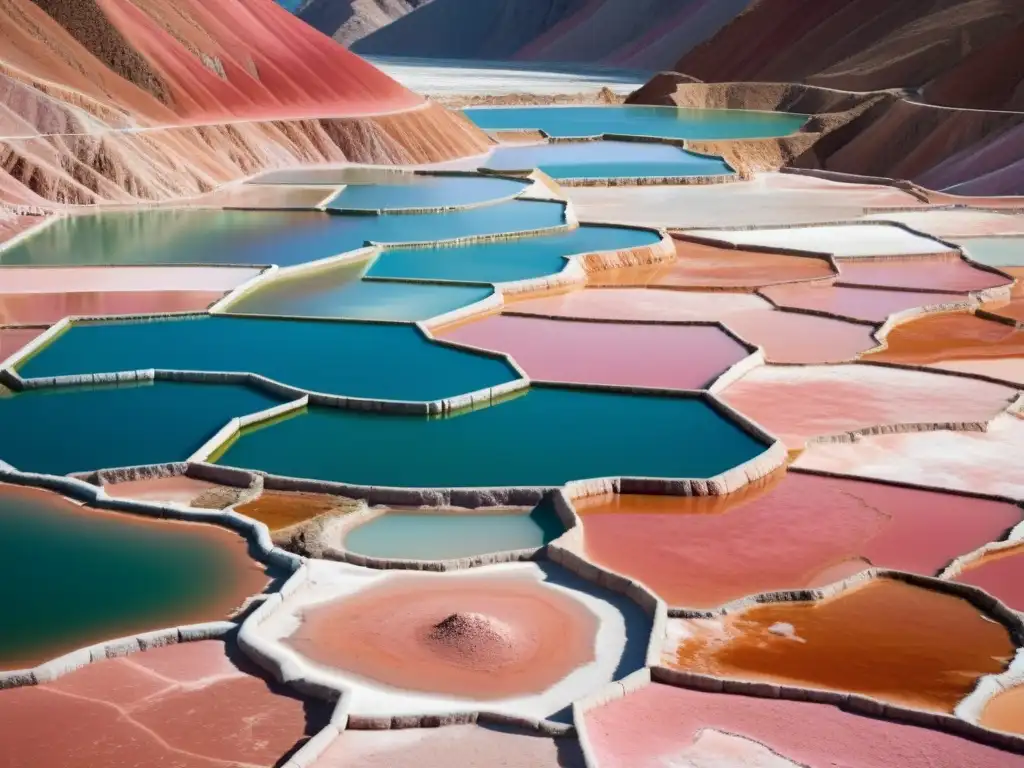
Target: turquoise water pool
[390,362]
[660,122]
[506,260]
[76,429]
[337,294]
[446,534]
[544,437]
[74,576]
[426,192]
[257,237]
[993,251]
[607,160]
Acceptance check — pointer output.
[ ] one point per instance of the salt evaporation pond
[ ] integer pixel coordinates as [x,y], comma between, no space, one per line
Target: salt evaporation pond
[75,429]
[447,534]
[341,292]
[993,251]
[507,260]
[295,352]
[286,238]
[74,576]
[543,437]
[660,122]
[420,191]
[607,160]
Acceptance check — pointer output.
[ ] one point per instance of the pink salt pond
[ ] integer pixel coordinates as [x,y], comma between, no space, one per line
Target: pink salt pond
[17,280]
[790,531]
[999,572]
[857,303]
[945,273]
[798,404]
[13,339]
[981,462]
[660,725]
[447,747]
[190,705]
[699,265]
[479,637]
[786,337]
[178,489]
[624,354]
[36,308]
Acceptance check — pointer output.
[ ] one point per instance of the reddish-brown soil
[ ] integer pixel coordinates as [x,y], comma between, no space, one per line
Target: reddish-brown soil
[280,509]
[887,639]
[480,637]
[186,706]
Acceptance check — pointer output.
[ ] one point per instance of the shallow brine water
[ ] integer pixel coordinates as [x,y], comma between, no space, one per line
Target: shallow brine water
[74,576]
[259,237]
[607,160]
[426,192]
[445,534]
[302,353]
[507,260]
[662,122]
[543,437]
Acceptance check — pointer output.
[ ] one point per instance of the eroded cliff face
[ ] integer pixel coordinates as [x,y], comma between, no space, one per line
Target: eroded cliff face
[128,100]
[879,133]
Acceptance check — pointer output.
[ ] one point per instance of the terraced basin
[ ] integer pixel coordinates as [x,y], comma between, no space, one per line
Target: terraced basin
[443,534]
[543,437]
[994,251]
[607,160]
[74,576]
[661,122]
[340,293]
[419,191]
[294,352]
[886,639]
[75,429]
[197,236]
[507,260]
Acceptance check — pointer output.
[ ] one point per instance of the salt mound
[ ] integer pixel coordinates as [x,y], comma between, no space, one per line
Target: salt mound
[474,640]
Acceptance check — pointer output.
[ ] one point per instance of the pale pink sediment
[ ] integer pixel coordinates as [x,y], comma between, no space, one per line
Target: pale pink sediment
[800,404]
[651,727]
[186,705]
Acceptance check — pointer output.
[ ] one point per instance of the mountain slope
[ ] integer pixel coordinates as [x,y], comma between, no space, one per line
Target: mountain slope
[350,20]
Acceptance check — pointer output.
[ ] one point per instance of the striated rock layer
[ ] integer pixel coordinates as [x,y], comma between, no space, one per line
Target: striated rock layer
[127,100]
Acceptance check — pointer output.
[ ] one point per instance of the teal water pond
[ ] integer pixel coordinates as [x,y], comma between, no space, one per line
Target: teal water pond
[426,192]
[74,576]
[993,251]
[660,122]
[543,437]
[389,362]
[76,429]
[506,260]
[259,238]
[607,160]
[335,293]
[447,534]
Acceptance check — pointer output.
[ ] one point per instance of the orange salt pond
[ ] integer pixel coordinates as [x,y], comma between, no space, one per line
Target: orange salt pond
[858,303]
[886,639]
[699,265]
[936,273]
[1014,306]
[786,337]
[1000,573]
[790,531]
[479,637]
[1005,711]
[280,509]
[190,705]
[798,404]
[958,341]
[447,747]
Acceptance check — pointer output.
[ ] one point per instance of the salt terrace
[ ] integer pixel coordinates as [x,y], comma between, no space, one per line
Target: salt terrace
[698,471]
